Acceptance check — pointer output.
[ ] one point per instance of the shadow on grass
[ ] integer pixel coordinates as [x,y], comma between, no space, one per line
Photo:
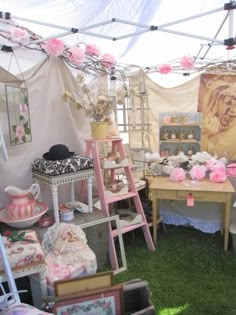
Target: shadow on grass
[189,273]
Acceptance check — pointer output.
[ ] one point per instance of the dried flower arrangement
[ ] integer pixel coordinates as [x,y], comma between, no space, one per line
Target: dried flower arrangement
[96,107]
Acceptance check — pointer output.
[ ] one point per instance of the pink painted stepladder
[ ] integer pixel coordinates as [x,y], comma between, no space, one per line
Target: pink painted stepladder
[117,148]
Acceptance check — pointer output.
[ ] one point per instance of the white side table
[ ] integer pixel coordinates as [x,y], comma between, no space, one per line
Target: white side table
[70,178]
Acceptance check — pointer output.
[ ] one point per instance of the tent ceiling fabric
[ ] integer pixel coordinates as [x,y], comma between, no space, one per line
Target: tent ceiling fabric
[145,50]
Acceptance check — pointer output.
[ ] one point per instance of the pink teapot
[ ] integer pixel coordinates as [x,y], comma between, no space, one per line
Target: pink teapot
[22,203]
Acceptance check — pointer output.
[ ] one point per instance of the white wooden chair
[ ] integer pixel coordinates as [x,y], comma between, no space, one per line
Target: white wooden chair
[7,299]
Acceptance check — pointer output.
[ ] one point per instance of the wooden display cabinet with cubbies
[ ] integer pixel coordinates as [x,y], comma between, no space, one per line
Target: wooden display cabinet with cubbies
[180,132]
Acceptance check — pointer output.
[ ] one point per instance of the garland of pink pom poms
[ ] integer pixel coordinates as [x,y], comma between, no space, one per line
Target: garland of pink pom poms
[87,58]
[215,168]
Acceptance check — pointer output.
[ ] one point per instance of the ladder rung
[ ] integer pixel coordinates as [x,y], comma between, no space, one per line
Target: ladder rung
[128,228]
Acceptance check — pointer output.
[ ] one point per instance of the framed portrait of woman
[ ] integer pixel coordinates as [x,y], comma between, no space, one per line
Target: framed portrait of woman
[217,103]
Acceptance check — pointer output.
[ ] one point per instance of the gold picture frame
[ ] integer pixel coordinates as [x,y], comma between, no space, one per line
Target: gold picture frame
[78,285]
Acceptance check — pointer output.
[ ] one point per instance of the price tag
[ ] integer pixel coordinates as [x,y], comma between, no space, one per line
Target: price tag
[190,200]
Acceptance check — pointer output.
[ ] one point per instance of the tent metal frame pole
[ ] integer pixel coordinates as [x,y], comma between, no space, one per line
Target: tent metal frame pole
[193,36]
[189,18]
[145,28]
[217,33]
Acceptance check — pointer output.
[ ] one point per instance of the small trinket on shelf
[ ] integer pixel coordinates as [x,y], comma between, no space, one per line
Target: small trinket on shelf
[181,135]
[190,135]
[165,135]
[173,135]
[190,151]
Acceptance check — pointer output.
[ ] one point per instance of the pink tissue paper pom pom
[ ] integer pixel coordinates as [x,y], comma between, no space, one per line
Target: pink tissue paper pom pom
[198,172]
[77,55]
[54,47]
[231,169]
[164,69]
[107,60]
[187,62]
[219,166]
[218,176]
[92,50]
[177,174]
[210,164]
[19,35]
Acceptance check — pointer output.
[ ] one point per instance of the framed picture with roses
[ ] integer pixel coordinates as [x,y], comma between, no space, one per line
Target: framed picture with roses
[107,301]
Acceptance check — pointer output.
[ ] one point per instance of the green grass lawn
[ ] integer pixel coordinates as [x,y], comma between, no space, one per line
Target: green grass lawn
[189,273]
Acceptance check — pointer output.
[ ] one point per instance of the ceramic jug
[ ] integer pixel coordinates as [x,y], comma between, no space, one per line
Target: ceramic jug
[22,203]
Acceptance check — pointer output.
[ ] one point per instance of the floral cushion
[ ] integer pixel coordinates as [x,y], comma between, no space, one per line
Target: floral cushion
[22,309]
[23,248]
[58,167]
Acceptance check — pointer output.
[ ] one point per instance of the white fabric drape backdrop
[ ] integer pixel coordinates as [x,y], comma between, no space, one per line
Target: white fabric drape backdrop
[52,122]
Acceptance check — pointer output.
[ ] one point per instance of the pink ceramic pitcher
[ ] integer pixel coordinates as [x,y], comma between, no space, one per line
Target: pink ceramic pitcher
[22,203]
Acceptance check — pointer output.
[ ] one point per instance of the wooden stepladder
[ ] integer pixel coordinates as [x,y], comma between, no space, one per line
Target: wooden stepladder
[107,198]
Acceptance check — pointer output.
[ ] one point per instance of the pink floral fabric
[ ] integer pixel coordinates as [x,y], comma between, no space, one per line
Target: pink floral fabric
[23,309]
[69,259]
[22,253]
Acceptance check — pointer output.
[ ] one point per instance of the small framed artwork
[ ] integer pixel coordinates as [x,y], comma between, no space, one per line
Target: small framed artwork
[18,114]
[82,284]
[106,301]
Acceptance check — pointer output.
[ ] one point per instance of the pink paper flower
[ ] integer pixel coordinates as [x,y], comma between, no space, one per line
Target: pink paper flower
[20,132]
[187,62]
[198,172]
[92,50]
[219,166]
[107,60]
[166,120]
[77,55]
[19,35]
[164,68]
[54,47]
[177,174]
[213,165]
[231,169]
[218,176]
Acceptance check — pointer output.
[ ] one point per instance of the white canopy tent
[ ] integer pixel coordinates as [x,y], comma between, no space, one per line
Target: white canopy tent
[147,33]
[55,122]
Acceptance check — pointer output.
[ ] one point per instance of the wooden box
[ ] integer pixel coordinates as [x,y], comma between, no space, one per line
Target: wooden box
[137,298]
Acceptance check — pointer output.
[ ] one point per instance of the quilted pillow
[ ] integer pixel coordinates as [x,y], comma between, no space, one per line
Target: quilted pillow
[26,250]
[74,164]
